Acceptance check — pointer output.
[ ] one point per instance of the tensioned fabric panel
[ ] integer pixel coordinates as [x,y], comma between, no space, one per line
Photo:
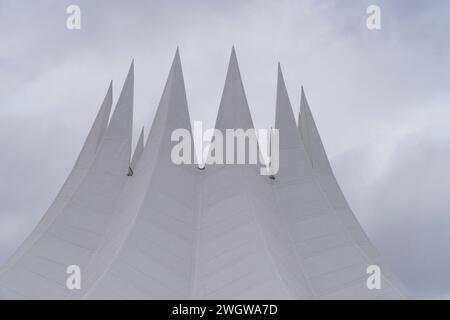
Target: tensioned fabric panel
[82,165]
[325,177]
[72,236]
[242,252]
[154,256]
[138,150]
[332,261]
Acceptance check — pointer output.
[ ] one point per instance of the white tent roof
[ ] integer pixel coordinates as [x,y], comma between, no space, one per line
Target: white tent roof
[175,232]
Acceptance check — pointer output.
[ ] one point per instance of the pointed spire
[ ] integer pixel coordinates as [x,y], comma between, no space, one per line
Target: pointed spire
[106,114]
[173,99]
[233,56]
[233,110]
[299,121]
[311,138]
[97,130]
[176,71]
[137,151]
[121,126]
[304,106]
[172,112]
[304,112]
[284,118]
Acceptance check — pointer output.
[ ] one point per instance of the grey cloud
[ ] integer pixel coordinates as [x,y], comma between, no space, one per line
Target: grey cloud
[369,92]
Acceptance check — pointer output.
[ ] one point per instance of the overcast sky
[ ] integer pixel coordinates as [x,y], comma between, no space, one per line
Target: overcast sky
[380,98]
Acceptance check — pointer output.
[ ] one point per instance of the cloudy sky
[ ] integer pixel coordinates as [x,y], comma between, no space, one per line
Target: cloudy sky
[381,100]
